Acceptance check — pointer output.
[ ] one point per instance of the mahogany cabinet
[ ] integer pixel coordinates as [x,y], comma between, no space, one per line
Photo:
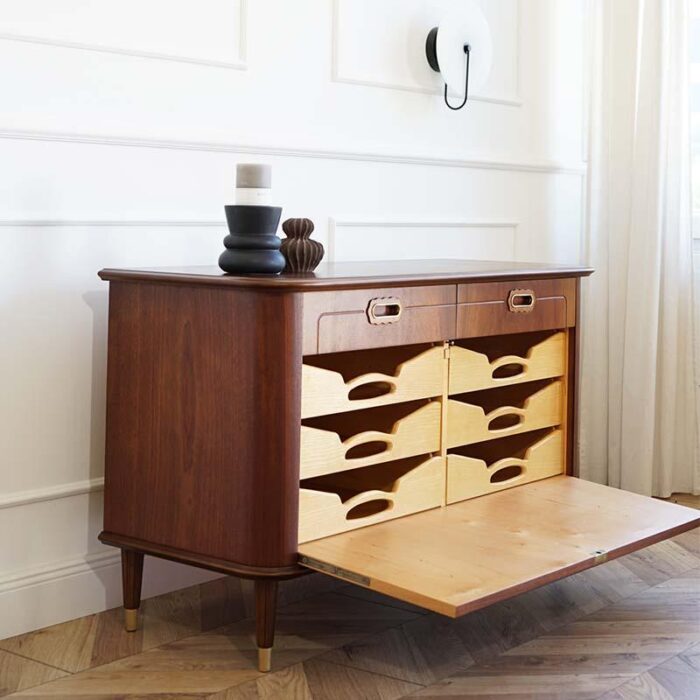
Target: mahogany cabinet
[408,427]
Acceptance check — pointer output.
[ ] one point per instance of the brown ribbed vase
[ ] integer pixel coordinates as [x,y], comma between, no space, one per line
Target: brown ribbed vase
[301,253]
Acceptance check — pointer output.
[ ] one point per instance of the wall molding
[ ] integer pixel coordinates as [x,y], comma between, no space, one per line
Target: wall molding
[109,223]
[470,162]
[238,63]
[335,223]
[337,77]
[58,570]
[51,493]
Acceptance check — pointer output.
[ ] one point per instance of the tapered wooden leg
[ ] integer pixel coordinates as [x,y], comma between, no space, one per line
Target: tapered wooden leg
[265,611]
[132,575]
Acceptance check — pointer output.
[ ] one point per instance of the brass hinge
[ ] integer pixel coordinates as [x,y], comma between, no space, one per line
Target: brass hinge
[334,570]
[600,556]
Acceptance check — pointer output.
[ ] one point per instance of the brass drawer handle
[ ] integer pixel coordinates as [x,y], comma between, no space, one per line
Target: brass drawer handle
[521,301]
[384,310]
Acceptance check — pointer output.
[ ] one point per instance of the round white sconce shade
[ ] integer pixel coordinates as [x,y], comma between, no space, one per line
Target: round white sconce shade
[445,49]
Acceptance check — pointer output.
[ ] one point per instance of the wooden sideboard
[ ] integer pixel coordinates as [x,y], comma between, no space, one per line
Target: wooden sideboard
[409,427]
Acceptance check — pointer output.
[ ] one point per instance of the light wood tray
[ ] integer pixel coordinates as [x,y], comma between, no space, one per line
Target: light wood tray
[323,513]
[324,452]
[471,370]
[468,423]
[468,477]
[325,391]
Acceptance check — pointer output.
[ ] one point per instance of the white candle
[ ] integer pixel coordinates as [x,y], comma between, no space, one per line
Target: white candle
[253,184]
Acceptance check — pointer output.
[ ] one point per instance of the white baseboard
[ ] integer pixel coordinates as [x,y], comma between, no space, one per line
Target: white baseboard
[33,599]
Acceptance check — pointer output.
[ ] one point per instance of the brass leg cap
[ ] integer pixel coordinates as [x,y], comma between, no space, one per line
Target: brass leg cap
[131,619]
[264,659]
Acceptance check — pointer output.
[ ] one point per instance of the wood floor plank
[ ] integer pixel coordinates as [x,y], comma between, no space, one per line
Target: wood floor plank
[18,673]
[640,644]
[223,658]
[662,561]
[319,680]
[98,639]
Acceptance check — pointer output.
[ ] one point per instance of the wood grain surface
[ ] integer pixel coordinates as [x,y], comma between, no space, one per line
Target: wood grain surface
[513,541]
[203,408]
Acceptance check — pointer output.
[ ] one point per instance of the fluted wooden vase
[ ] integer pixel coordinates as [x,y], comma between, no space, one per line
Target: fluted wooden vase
[301,253]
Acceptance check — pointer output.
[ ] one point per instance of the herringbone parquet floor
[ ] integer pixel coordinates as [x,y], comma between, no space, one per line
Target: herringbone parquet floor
[626,630]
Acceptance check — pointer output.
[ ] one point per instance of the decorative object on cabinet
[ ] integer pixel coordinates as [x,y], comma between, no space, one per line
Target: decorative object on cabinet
[252,245]
[301,253]
[266,427]
[460,49]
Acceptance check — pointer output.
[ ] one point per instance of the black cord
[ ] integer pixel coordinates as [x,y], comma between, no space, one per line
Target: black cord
[467,50]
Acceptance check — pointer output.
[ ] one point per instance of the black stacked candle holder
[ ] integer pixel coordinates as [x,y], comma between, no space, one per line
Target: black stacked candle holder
[252,245]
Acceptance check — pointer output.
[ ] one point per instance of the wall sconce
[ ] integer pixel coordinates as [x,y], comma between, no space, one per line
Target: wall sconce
[460,49]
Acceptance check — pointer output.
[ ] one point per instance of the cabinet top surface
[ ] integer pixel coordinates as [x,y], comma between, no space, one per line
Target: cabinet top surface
[355,274]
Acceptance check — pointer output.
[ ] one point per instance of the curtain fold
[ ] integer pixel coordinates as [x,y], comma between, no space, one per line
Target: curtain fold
[638,409]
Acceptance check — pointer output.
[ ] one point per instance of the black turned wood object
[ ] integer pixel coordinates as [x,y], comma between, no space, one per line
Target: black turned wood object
[252,246]
[301,253]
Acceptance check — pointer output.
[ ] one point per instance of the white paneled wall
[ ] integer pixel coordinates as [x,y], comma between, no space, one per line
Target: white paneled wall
[120,127]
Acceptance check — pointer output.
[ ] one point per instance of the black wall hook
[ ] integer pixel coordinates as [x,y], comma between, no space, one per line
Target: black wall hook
[467,50]
[431,55]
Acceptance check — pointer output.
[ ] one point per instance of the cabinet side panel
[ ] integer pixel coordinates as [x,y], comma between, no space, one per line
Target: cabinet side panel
[203,415]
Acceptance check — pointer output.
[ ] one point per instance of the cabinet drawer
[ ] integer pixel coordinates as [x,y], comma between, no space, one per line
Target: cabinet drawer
[362,438]
[374,318]
[472,418]
[501,464]
[346,381]
[530,357]
[498,308]
[339,502]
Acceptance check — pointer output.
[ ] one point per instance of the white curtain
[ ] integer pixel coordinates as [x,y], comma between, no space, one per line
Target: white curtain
[638,411]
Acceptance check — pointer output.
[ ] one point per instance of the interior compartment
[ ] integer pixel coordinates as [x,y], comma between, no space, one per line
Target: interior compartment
[483,363]
[481,468]
[349,381]
[337,502]
[492,413]
[356,439]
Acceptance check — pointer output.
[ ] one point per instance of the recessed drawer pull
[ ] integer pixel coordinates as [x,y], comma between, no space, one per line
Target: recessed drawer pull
[375,384]
[508,361]
[384,310]
[371,439]
[521,300]
[383,499]
[504,419]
